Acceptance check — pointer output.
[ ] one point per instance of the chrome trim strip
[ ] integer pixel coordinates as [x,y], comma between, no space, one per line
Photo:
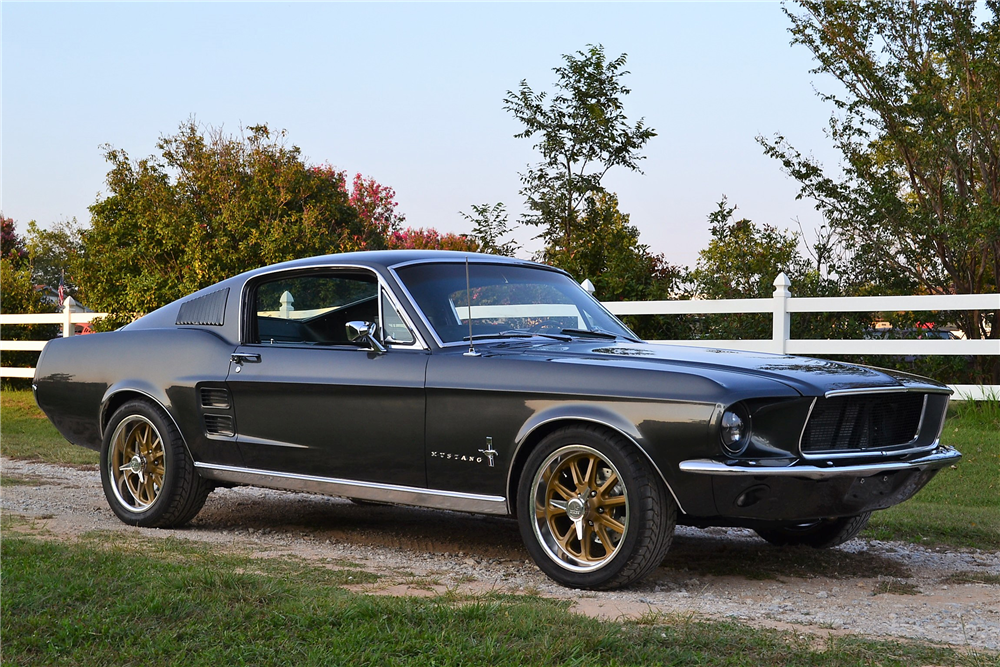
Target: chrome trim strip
[920,424]
[416,307]
[809,415]
[513,456]
[866,453]
[251,440]
[382,284]
[387,493]
[477,258]
[887,390]
[939,458]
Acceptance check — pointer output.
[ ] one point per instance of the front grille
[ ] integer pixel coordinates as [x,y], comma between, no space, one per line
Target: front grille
[219,425]
[214,397]
[863,422]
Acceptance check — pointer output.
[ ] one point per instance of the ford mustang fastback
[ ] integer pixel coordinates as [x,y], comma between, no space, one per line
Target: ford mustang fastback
[485,384]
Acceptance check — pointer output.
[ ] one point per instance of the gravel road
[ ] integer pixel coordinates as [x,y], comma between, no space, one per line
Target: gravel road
[714,573]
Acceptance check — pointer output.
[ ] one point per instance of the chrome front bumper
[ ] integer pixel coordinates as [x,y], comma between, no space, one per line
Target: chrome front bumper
[938,458]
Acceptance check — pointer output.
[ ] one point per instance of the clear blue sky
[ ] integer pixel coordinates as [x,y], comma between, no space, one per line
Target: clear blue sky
[410,94]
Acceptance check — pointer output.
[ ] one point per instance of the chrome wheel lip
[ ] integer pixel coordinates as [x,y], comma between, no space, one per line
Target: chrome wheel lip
[540,527]
[116,465]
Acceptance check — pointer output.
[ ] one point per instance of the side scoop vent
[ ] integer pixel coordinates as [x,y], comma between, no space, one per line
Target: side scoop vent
[219,425]
[214,397]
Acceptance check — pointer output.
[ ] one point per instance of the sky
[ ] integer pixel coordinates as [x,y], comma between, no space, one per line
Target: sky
[412,95]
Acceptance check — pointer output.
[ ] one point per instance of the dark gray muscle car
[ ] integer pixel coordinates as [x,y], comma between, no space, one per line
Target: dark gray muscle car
[485,384]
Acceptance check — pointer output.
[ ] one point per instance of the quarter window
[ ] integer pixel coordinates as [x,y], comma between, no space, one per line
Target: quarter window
[394,330]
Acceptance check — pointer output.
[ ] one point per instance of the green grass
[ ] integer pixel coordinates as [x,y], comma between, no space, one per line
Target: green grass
[25,433]
[127,601]
[895,587]
[960,506]
[987,578]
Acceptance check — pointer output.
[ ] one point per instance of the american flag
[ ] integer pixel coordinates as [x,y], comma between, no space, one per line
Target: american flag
[62,287]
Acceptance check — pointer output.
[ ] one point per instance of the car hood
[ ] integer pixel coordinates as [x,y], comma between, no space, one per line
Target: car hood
[808,376]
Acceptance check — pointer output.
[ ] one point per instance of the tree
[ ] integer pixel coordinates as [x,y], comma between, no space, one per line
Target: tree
[11,245]
[918,125]
[743,258]
[18,295]
[489,225]
[431,239]
[55,255]
[376,204]
[620,266]
[582,132]
[741,262]
[207,207]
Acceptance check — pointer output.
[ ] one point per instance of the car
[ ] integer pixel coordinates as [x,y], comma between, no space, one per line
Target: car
[476,383]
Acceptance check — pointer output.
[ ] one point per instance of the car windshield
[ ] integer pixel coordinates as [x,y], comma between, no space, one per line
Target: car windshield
[507,301]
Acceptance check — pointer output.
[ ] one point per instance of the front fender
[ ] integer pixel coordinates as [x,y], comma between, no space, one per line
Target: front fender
[597,413]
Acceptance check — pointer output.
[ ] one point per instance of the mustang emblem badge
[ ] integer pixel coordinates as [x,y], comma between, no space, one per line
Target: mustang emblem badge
[489,451]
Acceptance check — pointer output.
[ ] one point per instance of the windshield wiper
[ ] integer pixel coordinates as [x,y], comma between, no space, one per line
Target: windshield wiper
[518,333]
[594,333]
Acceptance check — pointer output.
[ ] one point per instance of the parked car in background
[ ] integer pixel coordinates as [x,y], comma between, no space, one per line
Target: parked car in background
[485,384]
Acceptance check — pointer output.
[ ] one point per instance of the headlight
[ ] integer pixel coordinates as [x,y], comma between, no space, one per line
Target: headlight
[735,430]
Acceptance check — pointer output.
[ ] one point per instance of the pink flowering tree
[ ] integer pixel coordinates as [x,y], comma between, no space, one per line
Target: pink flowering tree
[376,204]
[431,239]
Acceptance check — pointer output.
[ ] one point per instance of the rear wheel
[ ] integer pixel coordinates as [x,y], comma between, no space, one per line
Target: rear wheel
[148,478]
[592,512]
[821,534]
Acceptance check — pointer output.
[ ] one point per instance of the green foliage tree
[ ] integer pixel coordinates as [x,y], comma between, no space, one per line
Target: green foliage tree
[621,267]
[582,132]
[743,258]
[489,226]
[18,295]
[55,255]
[207,207]
[741,262]
[916,122]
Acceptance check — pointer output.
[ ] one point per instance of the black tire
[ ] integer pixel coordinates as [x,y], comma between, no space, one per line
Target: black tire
[614,498]
[821,534]
[148,477]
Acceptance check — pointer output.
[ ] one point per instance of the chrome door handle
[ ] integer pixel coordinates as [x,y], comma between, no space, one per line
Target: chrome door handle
[244,358]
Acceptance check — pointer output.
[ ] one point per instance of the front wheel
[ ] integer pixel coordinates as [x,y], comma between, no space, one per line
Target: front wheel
[148,478]
[821,534]
[592,511]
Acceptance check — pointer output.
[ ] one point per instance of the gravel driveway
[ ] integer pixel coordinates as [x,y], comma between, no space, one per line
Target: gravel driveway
[890,589]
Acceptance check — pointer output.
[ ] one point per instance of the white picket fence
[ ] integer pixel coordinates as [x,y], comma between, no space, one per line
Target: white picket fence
[781,306]
[69,318]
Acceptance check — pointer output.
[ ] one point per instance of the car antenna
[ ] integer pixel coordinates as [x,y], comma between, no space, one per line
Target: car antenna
[468,300]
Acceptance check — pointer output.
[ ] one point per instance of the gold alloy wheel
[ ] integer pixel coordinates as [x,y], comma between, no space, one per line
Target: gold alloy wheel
[581,508]
[136,463]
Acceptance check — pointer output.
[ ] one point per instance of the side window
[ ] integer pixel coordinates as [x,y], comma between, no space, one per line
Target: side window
[394,330]
[312,309]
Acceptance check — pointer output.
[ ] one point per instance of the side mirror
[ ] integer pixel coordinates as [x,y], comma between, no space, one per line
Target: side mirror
[364,332]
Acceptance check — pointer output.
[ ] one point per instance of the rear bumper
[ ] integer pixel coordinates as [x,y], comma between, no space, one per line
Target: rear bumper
[935,460]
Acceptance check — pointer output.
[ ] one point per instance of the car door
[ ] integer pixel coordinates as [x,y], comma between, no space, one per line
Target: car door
[310,402]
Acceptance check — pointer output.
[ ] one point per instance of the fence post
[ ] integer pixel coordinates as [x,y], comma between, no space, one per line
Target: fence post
[286,307]
[782,322]
[68,328]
